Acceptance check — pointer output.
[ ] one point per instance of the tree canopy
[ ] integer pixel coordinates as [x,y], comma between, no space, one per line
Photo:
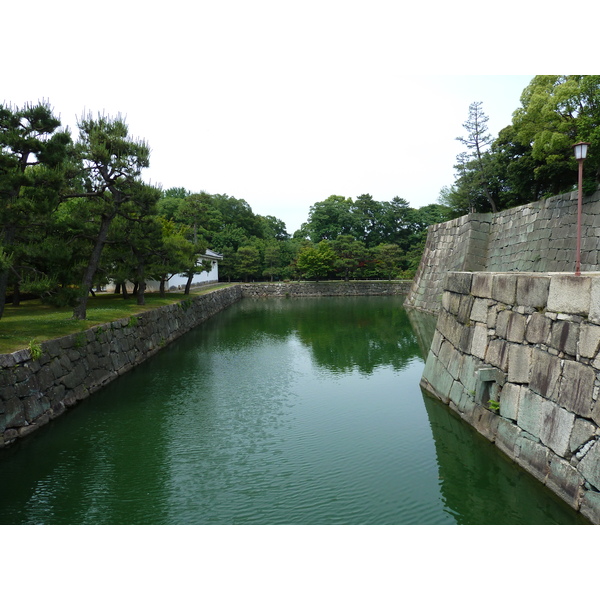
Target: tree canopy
[532,157]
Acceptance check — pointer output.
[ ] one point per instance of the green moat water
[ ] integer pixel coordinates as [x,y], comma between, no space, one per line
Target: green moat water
[298,411]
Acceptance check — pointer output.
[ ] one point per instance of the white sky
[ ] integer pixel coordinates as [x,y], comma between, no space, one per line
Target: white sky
[276,102]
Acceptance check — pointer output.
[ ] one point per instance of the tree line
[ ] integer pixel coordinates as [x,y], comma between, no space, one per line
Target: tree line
[76,214]
[532,158]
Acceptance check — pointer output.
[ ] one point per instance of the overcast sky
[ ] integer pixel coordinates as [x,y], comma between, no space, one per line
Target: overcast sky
[279,103]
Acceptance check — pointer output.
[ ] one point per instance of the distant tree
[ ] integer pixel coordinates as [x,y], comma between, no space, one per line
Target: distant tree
[331,218]
[272,261]
[388,257]
[399,223]
[316,262]
[272,227]
[477,141]
[237,213]
[175,192]
[350,254]
[248,261]
[370,220]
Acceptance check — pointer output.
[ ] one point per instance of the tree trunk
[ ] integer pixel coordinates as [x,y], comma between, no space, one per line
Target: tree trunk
[117,288]
[9,236]
[16,299]
[80,310]
[141,300]
[188,284]
[161,288]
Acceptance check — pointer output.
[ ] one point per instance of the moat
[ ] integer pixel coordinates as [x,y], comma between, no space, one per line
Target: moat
[278,411]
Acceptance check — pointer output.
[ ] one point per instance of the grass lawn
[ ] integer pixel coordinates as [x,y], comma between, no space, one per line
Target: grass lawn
[34,321]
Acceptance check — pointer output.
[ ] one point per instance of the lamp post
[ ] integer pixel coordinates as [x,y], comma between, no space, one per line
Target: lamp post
[580,149]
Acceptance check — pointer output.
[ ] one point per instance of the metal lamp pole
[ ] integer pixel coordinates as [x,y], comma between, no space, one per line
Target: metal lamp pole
[580,154]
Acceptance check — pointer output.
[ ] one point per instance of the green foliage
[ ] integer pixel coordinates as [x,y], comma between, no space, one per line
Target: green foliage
[316,262]
[34,155]
[531,158]
[80,340]
[61,297]
[35,349]
[494,404]
[186,304]
[388,257]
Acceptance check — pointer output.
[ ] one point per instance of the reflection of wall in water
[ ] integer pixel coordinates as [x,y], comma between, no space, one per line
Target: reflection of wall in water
[423,325]
[479,485]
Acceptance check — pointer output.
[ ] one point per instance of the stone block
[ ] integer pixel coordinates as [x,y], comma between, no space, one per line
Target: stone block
[459,282]
[583,432]
[34,406]
[464,309]
[451,359]
[557,426]
[515,330]
[538,329]
[466,406]
[509,401]
[564,337]
[565,481]
[484,421]
[519,363]
[456,392]
[466,340]
[569,294]
[492,319]
[532,290]
[75,377]
[530,414]
[13,416]
[545,374]
[451,302]
[504,288]
[588,466]
[436,342]
[590,506]
[502,323]
[576,388]
[439,380]
[479,341]
[589,340]
[596,412]
[482,285]
[479,312]
[533,457]
[497,354]
[507,437]
[468,373]
[594,314]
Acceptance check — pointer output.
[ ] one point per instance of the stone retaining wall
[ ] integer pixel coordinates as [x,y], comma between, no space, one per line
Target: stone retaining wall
[516,356]
[458,245]
[537,237]
[326,288]
[72,367]
[34,391]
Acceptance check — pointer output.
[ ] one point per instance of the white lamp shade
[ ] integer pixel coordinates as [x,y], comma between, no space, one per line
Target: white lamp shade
[580,150]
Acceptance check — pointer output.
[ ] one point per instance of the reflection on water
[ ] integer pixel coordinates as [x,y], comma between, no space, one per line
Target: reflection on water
[299,411]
